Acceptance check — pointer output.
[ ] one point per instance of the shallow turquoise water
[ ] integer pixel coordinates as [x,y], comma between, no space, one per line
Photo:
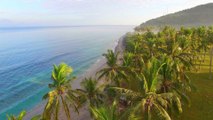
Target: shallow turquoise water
[27,56]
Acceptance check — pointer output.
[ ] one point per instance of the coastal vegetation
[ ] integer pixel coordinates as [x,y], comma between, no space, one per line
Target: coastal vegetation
[153,79]
[19,117]
[196,16]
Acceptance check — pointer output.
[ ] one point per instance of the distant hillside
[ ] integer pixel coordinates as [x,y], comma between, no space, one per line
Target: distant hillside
[197,16]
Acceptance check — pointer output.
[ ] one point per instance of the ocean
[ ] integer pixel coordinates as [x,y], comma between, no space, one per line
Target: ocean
[27,55]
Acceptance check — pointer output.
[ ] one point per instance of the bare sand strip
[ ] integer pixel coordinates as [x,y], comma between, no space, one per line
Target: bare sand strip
[91,72]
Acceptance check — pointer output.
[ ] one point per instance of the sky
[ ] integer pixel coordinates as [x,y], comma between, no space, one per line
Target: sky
[87,12]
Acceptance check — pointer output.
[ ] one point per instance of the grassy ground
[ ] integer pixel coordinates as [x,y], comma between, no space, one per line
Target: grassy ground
[202,100]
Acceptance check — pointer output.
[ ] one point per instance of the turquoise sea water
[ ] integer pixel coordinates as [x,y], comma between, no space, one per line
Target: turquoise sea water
[27,56]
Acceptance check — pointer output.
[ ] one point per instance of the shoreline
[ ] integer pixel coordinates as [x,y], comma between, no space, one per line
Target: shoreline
[90,72]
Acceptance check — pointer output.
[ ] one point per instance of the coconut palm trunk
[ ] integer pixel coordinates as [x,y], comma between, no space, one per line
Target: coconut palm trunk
[210,67]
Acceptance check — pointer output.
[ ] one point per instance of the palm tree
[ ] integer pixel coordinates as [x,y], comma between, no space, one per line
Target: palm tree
[61,93]
[37,117]
[112,112]
[147,98]
[210,42]
[93,92]
[105,112]
[133,42]
[170,81]
[180,57]
[149,44]
[134,46]
[19,117]
[113,71]
[210,66]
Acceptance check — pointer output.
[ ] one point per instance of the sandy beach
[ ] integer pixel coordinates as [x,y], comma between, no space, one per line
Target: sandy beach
[91,72]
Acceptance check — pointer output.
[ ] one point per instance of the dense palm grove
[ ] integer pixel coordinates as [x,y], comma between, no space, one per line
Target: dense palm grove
[148,81]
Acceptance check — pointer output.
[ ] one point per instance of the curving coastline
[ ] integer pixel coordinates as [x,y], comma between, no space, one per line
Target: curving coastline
[84,113]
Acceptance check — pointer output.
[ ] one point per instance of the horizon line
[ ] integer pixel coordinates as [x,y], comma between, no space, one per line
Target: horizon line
[55,26]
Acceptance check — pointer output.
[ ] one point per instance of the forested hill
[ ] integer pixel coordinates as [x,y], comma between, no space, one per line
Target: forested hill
[197,16]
